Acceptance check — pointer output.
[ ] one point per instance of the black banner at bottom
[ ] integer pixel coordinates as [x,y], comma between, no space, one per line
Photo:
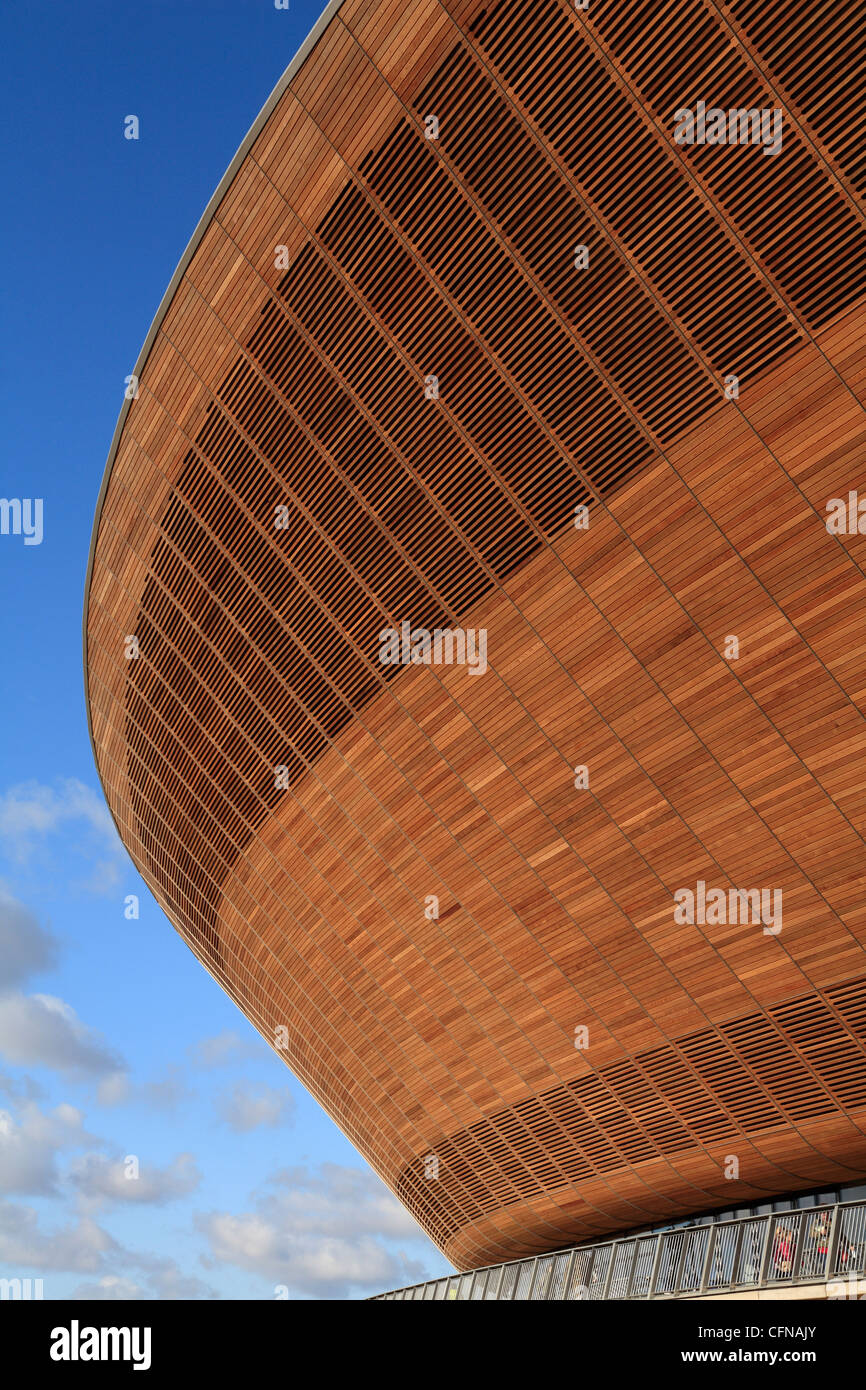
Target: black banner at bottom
[658,1338]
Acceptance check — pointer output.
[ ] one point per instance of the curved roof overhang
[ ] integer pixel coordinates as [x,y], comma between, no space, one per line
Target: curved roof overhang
[225,183]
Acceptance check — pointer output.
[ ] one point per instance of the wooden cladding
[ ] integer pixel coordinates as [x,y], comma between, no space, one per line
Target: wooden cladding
[476,336]
[744,1074]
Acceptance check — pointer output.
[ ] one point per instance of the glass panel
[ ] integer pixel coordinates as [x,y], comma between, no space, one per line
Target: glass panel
[524,1278]
[723,1258]
[494,1279]
[589,1273]
[748,1263]
[693,1260]
[669,1262]
[643,1266]
[542,1276]
[584,1261]
[851,1243]
[622,1268]
[556,1289]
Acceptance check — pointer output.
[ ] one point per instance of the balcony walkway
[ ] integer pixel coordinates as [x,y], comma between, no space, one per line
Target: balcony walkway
[816,1252]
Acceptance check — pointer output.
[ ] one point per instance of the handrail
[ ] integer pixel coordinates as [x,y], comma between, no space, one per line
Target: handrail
[796,1246]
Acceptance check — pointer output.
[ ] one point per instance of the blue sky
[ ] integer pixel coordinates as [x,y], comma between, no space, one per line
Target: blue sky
[114,1042]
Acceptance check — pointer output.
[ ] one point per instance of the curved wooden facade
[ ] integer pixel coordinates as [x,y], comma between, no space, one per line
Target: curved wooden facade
[287,485]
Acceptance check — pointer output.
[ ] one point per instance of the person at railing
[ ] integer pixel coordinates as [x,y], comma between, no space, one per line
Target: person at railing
[820,1235]
[846,1254]
[783,1253]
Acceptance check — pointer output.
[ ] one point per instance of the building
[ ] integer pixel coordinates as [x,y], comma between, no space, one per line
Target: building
[474,629]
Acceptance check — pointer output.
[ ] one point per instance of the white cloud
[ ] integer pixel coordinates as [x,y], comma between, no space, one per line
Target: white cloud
[104,878]
[31,811]
[118,1088]
[41,1030]
[20,1087]
[245,1106]
[101,1178]
[341,1201]
[23,1245]
[224,1048]
[110,1288]
[324,1236]
[167,1281]
[114,1089]
[315,1266]
[163,1281]
[84,1247]
[29,1146]
[25,948]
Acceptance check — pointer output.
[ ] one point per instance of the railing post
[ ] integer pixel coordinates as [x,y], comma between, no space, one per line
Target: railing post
[589,1275]
[681,1261]
[531,1288]
[765,1253]
[654,1273]
[566,1279]
[711,1245]
[832,1244]
[501,1281]
[737,1251]
[802,1228]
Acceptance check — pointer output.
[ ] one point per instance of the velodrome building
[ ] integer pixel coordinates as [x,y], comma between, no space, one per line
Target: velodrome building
[474,630]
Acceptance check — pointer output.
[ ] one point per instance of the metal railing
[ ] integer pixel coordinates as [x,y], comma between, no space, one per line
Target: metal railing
[803,1245]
